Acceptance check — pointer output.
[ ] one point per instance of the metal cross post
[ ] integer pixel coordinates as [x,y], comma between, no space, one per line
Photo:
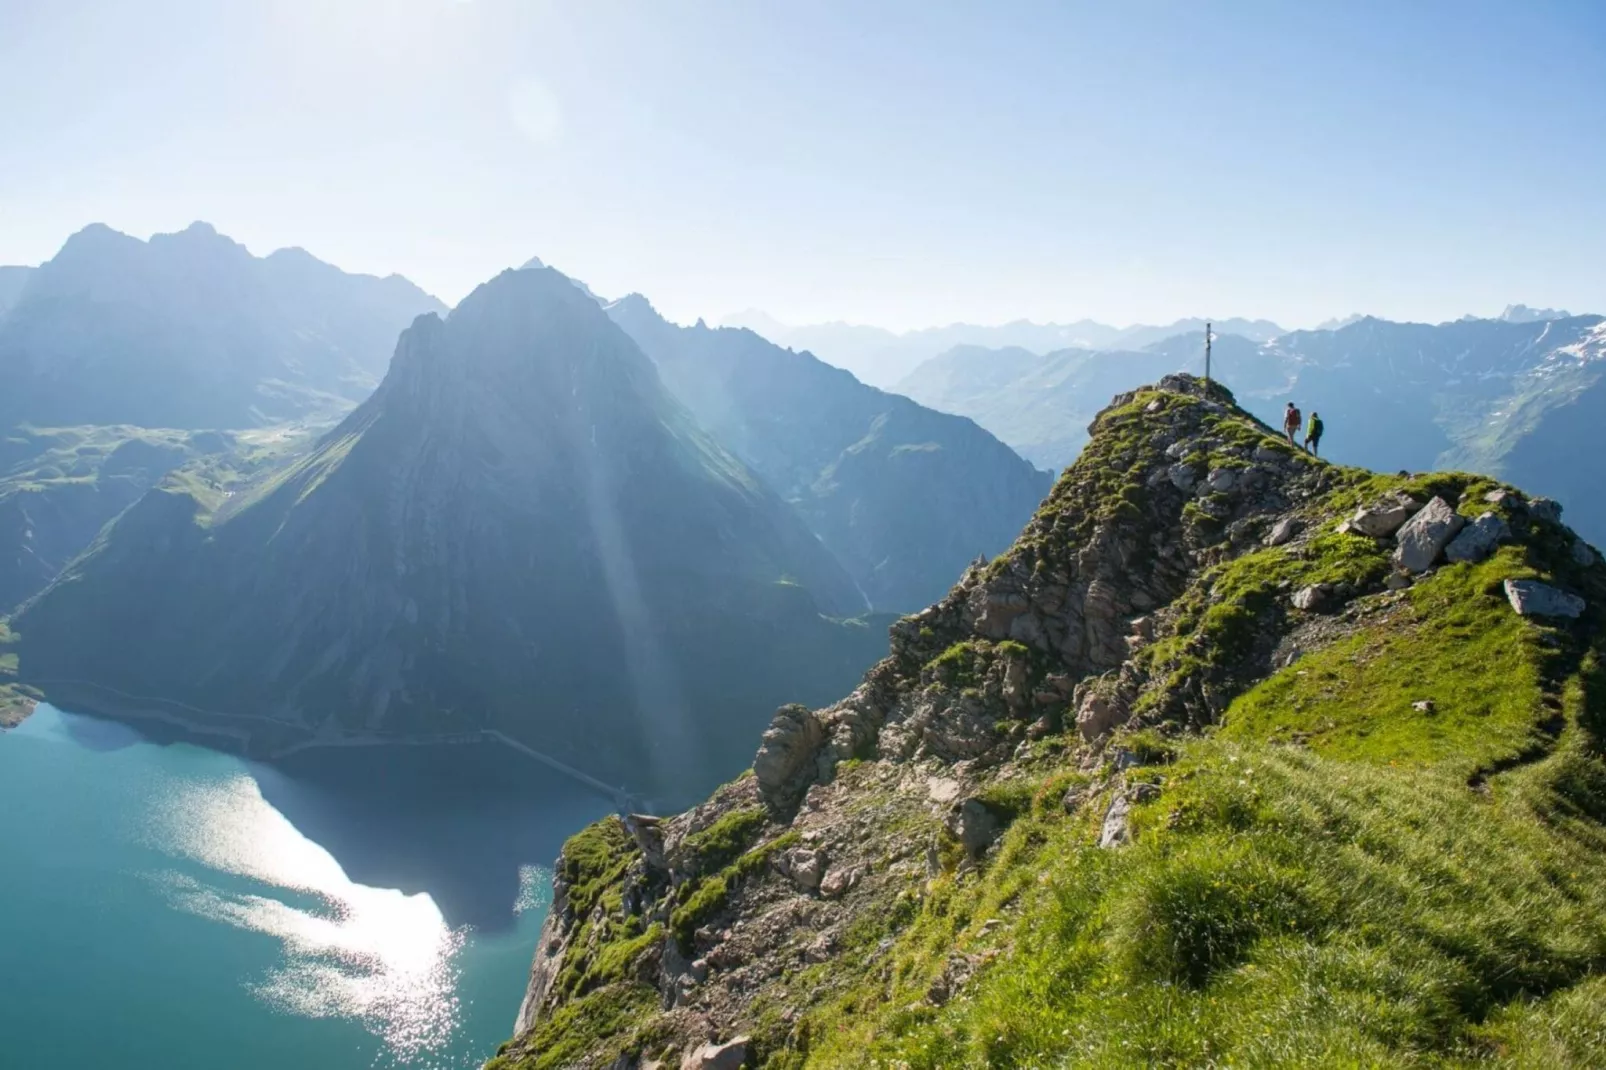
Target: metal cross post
[1207,352]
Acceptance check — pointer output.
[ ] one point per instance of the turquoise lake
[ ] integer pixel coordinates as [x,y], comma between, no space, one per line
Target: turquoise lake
[165,906]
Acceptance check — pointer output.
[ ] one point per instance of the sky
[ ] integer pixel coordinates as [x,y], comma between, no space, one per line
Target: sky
[896,163]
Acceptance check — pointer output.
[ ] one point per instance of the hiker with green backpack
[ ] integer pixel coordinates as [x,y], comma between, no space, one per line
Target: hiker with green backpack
[1313,435]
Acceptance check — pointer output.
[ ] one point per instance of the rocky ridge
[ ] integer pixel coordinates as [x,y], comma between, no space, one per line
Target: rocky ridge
[1194,593]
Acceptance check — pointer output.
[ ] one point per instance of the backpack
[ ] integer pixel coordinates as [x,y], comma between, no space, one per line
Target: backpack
[1293,418]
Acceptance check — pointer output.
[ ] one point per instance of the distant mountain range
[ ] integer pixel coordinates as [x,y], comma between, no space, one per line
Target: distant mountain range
[904,496]
[885,358]
[189,330]
[1519,397]
[521,530]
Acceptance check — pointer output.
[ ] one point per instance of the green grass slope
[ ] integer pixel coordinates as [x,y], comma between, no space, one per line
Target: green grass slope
[1370,836]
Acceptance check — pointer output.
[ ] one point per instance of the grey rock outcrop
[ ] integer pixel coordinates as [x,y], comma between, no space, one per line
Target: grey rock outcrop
[1545,509]
[1478,539]
[785,761]
[1116,830]
[731,1055]
[1383,517]
[1097,714]
[974,826]
[1283,531]
[1422,538]
[1315,598]
[1534,599]
[648,833]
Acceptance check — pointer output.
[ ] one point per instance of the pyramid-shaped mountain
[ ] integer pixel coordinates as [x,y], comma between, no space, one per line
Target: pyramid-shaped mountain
[520,531]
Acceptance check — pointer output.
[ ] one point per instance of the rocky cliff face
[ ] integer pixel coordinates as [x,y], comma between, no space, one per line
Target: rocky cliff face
[1235,757]
[520,531]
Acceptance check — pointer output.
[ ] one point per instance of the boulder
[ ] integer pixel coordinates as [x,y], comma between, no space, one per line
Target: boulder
[807,867]
[1422,538]
[974,826]
[839,882]
[1315,598]
[1222,480]
[648,833]
[1182,476]
[1097,715]
[1584,554]
[1534,599]
[1284,530]
[1503,496]
[785,762]
[1545,509]
[731,1055]
[1478,539]
[1383,517]
[1116,831]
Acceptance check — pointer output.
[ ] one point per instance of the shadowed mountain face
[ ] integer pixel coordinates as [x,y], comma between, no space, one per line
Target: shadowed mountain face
[520,530]
[904,496]
[190,330]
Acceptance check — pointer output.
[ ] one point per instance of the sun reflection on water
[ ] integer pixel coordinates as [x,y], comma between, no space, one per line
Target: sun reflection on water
[372,954]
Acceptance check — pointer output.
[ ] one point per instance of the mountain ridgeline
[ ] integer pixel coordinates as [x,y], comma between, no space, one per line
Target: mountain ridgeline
[1236,757]
[520,531]
[189,330]
[1514,397]
[904,496]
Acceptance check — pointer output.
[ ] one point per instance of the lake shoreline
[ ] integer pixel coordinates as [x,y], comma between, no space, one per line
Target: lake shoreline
[273,740]
[14,709]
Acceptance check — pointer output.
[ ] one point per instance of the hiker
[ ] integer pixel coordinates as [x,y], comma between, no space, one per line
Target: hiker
[1291,422]
[1313,435]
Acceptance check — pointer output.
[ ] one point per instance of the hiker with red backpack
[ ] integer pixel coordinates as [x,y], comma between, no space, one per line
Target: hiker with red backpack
[1291,421]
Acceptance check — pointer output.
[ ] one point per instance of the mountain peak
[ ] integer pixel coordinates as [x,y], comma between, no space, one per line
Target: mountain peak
[1524,314]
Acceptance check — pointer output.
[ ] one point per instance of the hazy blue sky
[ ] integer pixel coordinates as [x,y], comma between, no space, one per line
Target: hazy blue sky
[886,162]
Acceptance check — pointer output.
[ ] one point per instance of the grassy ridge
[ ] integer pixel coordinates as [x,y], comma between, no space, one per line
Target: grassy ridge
[1350,900]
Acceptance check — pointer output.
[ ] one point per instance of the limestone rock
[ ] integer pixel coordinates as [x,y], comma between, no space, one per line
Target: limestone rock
[1182,476]
[1478,539]
[1423,537]
[731,1055]
[785,759]
[1383,517]
[1284,530]
[1545,509]
[1097,715]
[1222,480]
[974,826]
[1534,599]
[807,867]
[1502,496]
[1584,554]
[648,833]
[1116,831]
[839,882]
[1315,598]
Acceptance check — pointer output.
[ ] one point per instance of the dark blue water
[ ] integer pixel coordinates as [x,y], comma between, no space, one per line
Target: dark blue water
[164,906]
